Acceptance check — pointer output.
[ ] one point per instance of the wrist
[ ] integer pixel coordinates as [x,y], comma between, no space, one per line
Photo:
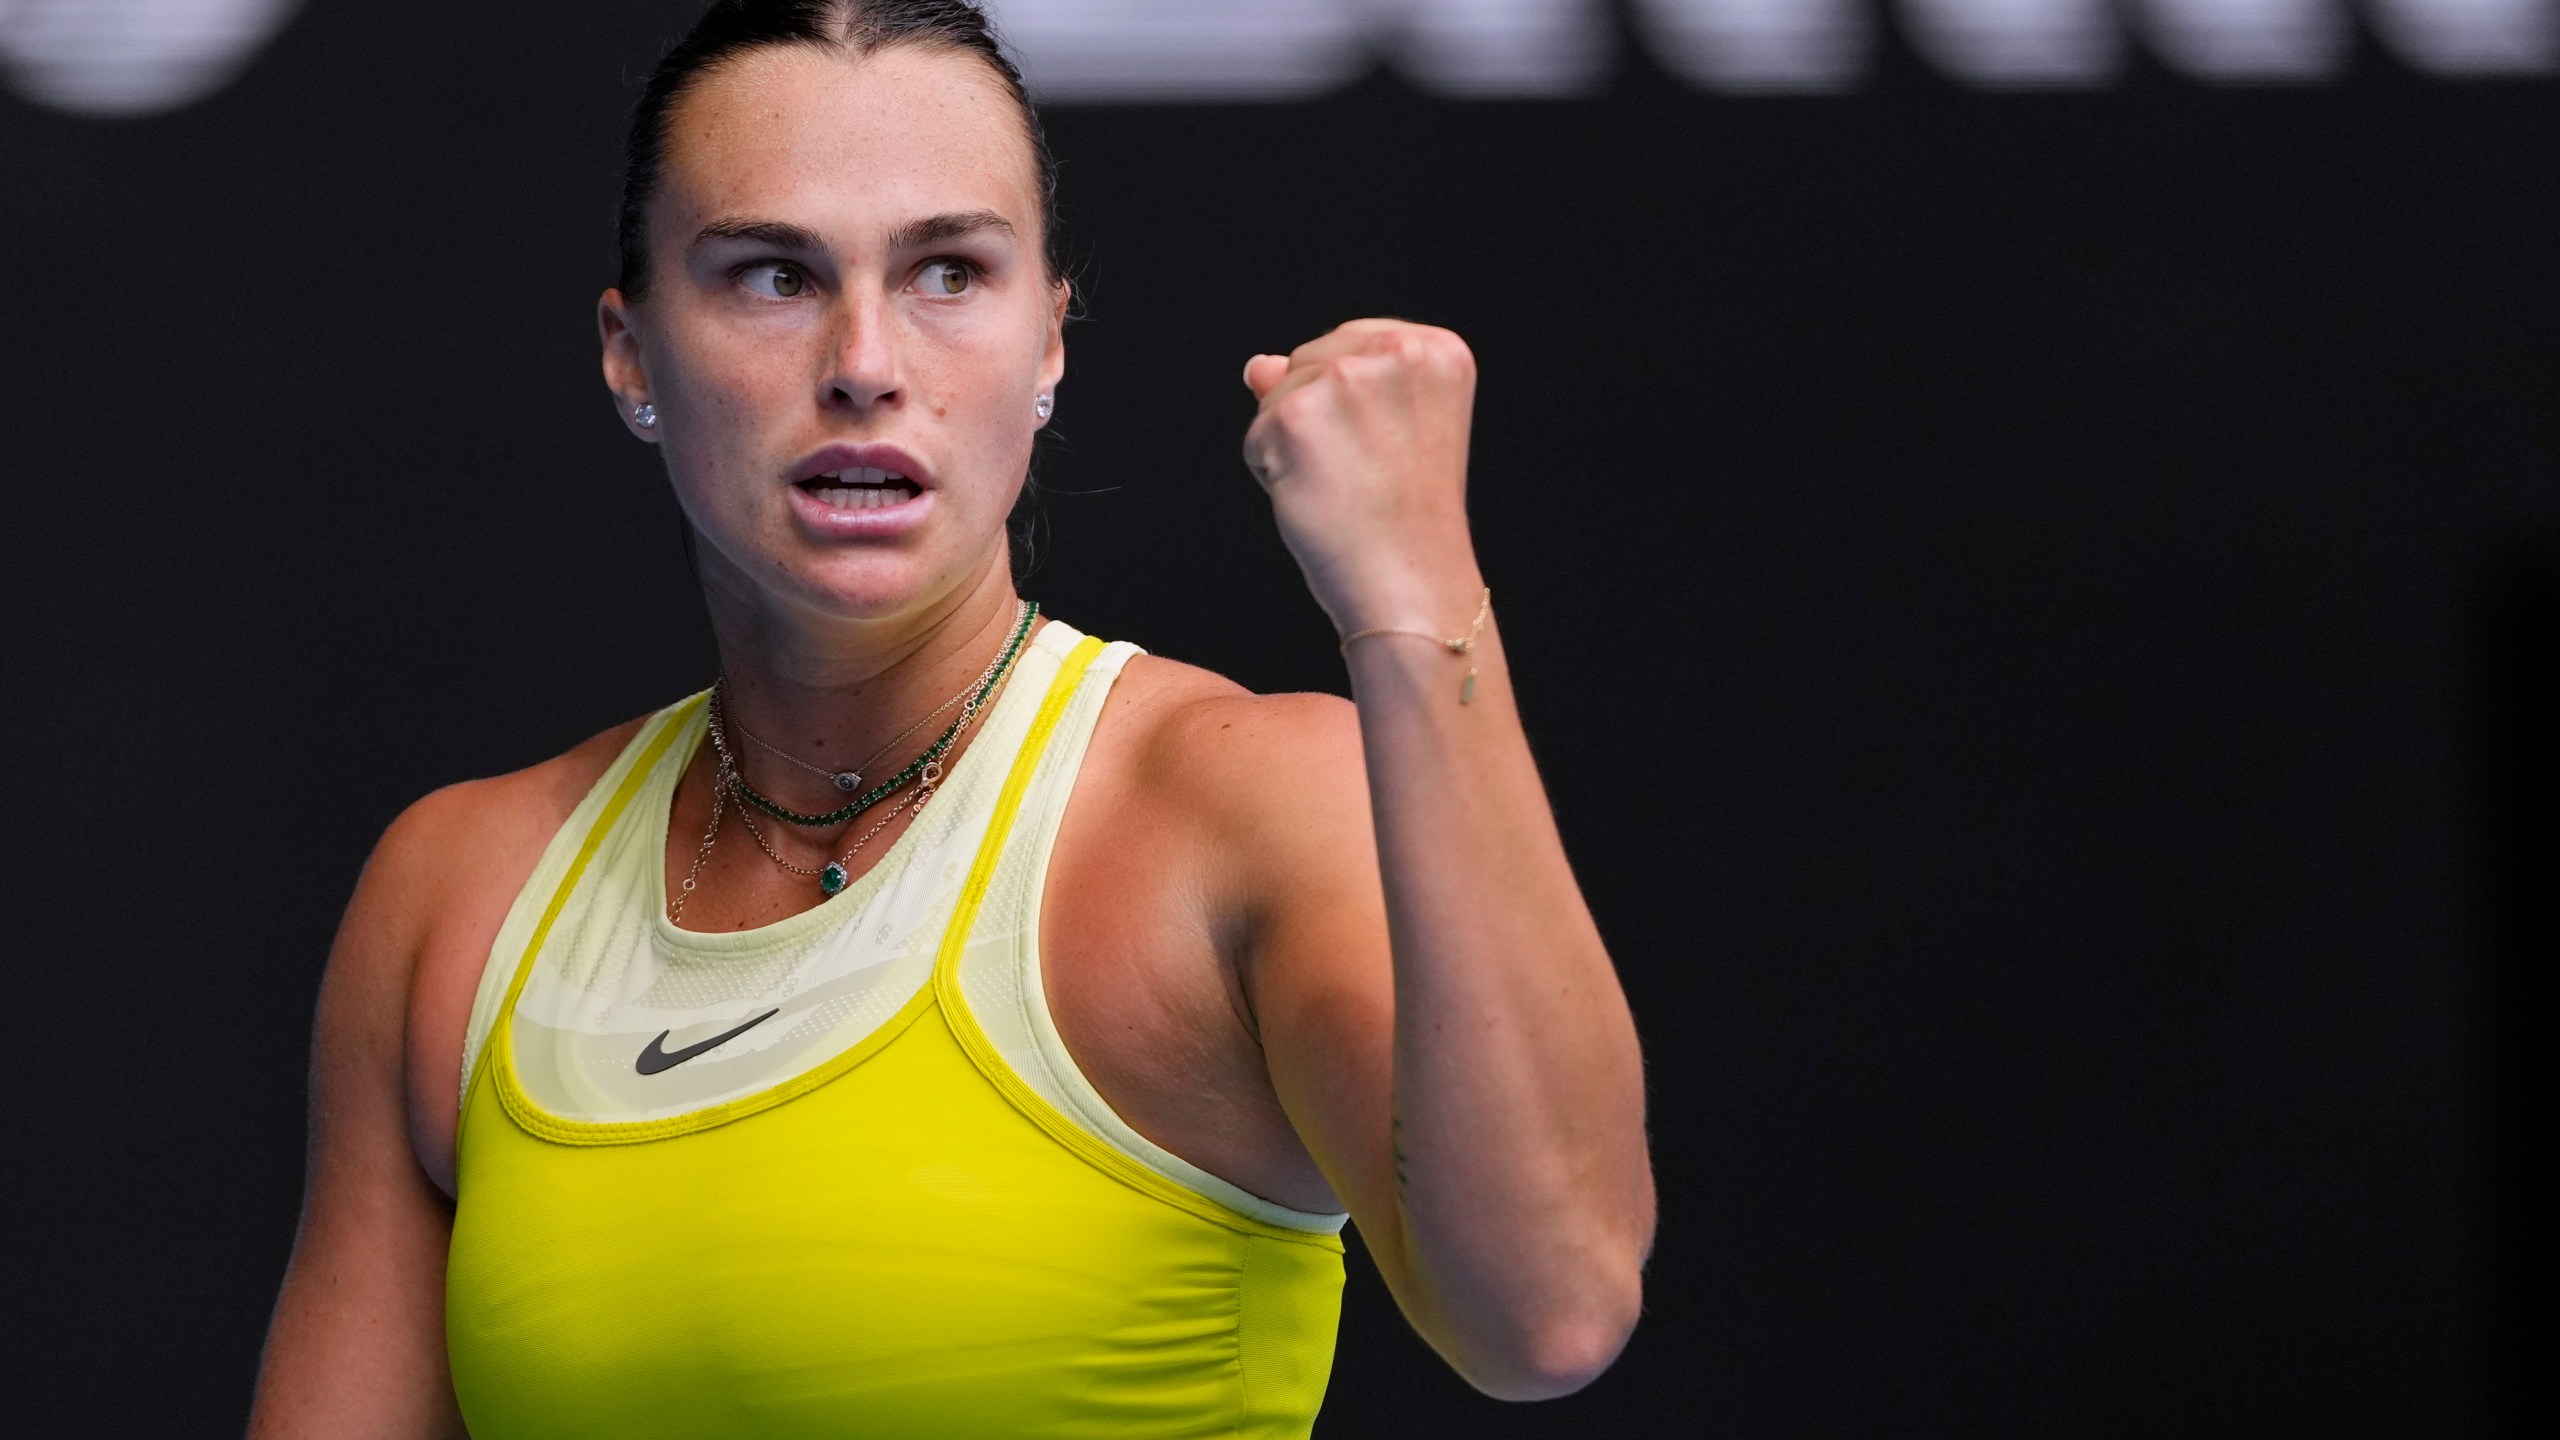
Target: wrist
[1438,599]
[1462,645]
[1461,642]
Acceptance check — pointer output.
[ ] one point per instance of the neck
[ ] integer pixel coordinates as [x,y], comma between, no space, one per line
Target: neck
[832,691]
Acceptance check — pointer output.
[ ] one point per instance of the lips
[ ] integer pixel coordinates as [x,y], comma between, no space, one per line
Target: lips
[861,491]
[843,466]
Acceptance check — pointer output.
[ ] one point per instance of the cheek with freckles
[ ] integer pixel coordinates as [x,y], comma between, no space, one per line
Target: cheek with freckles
[984,431]
[728,422]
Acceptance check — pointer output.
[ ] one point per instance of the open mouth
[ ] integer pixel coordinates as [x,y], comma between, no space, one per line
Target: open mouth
[862,487]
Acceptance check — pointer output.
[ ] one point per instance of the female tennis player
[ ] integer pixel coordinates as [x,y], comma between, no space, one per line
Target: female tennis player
[949,1024]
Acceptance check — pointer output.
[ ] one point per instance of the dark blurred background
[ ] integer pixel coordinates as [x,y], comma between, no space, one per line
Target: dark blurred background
[2035,590]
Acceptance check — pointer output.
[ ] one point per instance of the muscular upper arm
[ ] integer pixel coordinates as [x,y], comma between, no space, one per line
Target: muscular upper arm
[1282,783]
[357,1344]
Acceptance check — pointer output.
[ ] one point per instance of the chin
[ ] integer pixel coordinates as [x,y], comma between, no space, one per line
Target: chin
[877,585]
[784,562]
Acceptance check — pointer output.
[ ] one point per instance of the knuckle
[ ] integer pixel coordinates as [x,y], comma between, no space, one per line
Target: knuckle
[1401,340]
[1435,348]
[1364,372]
[1291,409]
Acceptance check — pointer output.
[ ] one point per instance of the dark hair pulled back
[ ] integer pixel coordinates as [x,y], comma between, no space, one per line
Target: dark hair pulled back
[731,28]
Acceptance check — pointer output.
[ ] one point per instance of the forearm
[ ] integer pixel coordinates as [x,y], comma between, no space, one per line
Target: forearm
[1524,1197]
[1522,1201]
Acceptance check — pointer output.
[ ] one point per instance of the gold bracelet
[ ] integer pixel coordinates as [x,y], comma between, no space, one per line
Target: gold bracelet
[1459,645]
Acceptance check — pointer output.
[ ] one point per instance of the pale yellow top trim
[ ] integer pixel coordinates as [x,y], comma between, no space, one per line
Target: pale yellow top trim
[643,756]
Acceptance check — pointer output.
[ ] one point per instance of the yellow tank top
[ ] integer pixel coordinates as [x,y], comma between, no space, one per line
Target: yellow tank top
[839,1175]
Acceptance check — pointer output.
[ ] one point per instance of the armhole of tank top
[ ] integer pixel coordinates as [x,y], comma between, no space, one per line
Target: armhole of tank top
[1027,1040]
[507,951]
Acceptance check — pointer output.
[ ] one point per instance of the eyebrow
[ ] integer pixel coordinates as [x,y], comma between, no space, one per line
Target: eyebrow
[934,229]
[783,235]
[780,234]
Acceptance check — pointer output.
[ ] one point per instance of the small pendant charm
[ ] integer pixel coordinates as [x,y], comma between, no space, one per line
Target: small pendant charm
[831,879]
[1467,689]
[846,781]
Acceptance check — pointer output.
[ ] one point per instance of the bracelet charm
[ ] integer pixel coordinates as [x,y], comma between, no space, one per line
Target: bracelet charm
[1456,645]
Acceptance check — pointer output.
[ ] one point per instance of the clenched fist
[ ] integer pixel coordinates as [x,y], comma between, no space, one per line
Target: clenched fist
[1361,442]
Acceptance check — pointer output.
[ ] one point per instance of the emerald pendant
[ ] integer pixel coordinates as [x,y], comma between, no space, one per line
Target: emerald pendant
[831,879]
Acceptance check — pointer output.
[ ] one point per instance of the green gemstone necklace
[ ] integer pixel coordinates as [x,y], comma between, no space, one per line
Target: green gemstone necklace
[933,753]
[850,780]
[927,771]
[833,876]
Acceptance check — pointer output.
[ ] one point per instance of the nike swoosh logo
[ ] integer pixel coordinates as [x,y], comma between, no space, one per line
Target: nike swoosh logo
[657,1057]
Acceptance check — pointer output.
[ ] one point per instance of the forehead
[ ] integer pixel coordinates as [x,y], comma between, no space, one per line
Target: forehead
[845,146]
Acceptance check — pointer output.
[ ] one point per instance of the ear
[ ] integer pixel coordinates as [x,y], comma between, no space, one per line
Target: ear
[1053,356]
[625,373]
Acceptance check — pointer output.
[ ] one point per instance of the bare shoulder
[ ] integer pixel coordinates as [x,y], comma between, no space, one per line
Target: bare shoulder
[1232,756]
[431,900]
[447,868]
[464,839]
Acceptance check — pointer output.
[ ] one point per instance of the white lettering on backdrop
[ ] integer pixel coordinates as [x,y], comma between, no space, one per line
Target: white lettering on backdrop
[2266,40]
[2018,42]
[2472,37]
[1761,44]
[1140,50]
[137,57]
[131,57]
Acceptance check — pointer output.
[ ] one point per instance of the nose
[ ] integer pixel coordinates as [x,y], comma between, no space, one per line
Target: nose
[861,371]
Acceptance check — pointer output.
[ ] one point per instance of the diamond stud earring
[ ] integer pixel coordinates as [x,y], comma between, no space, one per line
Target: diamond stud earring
[645,415]
[1042,405]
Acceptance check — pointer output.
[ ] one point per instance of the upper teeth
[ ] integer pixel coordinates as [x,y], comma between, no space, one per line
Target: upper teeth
[861,487]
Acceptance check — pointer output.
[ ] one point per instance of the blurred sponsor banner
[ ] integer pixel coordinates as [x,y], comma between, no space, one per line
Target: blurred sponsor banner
[1122,50]
[131,57]
[135,57]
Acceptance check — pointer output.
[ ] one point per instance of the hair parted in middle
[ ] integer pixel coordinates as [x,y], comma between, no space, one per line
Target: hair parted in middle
[731,28]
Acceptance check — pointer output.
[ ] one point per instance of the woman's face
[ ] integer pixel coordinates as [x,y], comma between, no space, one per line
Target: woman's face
[847,321]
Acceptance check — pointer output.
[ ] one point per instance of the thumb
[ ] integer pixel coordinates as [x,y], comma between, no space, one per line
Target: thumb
[1264,371]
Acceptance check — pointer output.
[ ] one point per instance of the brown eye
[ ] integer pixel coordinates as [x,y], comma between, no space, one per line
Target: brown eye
[945,277]
[776,280]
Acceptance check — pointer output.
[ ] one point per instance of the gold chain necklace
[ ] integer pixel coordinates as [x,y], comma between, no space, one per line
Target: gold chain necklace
[850,780]
[833,876]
